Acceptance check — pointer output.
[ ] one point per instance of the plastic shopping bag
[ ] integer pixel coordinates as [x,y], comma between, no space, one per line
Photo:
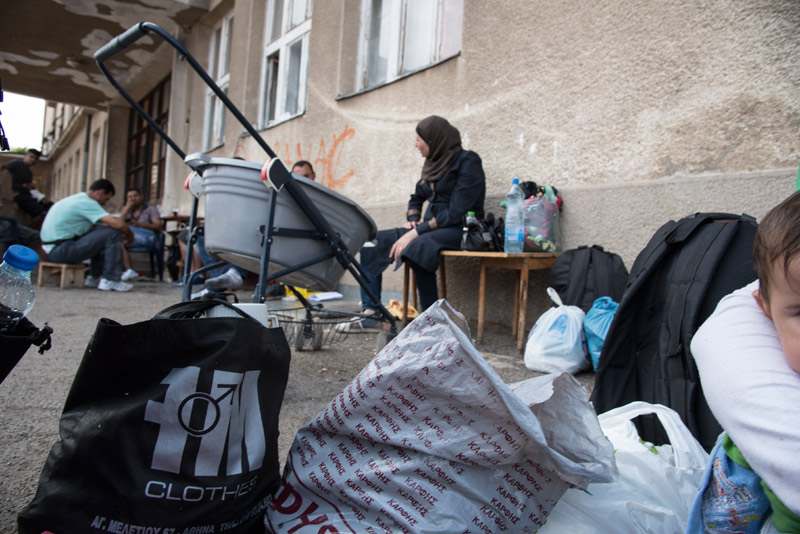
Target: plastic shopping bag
[595,325]
[557,342]
[656,484]
[429,439]
[542,222]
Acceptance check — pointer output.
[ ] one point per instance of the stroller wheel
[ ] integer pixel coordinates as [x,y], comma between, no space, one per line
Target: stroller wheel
[319,336]
[300,340]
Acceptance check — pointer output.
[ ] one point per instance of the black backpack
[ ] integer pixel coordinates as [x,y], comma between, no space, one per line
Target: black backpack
[674,285]
[584,274]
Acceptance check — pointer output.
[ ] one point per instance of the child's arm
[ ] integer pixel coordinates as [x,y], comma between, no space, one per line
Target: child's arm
[752,391]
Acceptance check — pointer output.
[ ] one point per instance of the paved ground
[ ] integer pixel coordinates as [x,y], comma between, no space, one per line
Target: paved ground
[33,394]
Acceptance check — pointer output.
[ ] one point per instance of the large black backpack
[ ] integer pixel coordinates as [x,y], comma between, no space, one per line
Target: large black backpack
[584,274]
[674,285]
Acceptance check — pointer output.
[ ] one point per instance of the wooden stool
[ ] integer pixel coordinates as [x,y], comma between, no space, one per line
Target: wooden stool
[70,273]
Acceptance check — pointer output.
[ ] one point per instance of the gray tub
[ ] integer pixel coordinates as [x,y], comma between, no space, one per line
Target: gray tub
[237,203]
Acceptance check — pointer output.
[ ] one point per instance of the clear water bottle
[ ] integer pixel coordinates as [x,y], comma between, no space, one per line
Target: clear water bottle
[515,224]
[16,291]
[470,223]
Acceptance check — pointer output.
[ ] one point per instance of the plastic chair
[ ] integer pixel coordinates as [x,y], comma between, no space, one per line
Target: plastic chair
[156,253]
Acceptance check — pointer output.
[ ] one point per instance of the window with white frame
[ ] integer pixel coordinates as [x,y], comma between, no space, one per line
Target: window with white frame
[402,36]
[219,63]
[285,78]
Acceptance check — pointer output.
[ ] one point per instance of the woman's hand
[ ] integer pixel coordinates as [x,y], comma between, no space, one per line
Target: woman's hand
[410,224]
[400,244]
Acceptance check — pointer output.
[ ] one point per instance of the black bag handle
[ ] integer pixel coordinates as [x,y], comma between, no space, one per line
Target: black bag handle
[196,308]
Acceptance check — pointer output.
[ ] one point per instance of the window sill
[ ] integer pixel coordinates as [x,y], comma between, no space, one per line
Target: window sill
[401,77]
[279,122]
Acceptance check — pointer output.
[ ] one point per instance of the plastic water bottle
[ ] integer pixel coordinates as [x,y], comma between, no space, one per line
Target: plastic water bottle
[16,291]
[515,225]
[470,224]
[472,221]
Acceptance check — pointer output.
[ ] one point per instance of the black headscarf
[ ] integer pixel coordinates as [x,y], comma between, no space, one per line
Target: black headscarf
[444,142]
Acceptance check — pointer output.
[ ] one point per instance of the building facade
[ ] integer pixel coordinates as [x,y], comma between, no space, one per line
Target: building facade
[638,111]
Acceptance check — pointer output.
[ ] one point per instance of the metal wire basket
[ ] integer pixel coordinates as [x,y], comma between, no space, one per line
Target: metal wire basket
[311,328]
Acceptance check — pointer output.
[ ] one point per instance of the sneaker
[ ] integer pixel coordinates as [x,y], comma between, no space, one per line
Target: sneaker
[230,280]
[111,285]
[91,281]
[360,324]
[129,275]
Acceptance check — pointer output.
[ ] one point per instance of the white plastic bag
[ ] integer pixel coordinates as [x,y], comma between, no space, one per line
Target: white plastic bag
[429,439]
[557,342]
[656,484]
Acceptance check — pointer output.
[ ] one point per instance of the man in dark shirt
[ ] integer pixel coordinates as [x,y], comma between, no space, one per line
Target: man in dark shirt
[22,183]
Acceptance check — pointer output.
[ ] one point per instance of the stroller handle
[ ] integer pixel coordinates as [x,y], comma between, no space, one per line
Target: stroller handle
[122,41]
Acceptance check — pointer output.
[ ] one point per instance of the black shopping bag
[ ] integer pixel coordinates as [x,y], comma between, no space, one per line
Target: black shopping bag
[171,425]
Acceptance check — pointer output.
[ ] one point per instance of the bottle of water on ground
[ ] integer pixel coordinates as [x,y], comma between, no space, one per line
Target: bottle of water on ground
[515,221]
[16,291]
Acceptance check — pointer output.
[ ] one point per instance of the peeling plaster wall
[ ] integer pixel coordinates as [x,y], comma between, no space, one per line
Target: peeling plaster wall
[639,112]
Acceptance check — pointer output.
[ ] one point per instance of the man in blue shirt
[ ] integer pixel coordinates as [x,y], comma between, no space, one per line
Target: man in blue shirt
[71,233]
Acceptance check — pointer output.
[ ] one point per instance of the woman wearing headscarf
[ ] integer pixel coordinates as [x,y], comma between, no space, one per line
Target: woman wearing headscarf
[453,183]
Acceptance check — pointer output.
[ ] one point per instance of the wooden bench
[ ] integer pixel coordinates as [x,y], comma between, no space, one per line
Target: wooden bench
[69,273]
[522,263]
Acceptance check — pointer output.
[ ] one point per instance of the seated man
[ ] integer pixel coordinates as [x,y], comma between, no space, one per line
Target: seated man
[71,234]
[22,183]
[145,222]
[304,168]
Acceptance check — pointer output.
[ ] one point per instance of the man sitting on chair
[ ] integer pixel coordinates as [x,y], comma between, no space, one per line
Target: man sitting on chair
[145,222]
[71,234]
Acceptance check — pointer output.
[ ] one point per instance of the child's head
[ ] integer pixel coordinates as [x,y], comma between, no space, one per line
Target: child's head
[776,254]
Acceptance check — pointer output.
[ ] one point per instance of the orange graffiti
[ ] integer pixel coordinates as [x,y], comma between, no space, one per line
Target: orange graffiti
[326,162]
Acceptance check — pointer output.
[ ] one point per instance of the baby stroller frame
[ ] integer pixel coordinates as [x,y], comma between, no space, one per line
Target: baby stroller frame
[279,178]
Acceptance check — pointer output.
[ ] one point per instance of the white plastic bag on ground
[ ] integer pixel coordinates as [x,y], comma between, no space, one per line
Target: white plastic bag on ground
[656,485]
[557,342]
[429,439]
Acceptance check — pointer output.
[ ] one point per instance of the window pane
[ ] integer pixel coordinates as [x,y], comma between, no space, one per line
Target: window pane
[298,12]
[272,86]
[293,77]
[211,103]
[226,64]
[419,42]
[215,44]
[277,20]
[219,130]
[377,48]
[452,18]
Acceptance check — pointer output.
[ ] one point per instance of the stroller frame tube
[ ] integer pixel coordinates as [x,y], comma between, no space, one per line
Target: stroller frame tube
[280,176]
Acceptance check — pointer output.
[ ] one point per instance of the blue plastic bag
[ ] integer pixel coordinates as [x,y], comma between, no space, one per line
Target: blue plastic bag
[598,320]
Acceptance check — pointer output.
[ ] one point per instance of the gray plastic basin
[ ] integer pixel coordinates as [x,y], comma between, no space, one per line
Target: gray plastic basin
[237,204]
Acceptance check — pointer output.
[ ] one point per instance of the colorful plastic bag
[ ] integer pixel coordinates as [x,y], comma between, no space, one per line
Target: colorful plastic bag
[542,222]
[595,325]
[557,342]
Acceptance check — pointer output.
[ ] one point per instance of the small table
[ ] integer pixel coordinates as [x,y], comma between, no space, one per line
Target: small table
[523,263]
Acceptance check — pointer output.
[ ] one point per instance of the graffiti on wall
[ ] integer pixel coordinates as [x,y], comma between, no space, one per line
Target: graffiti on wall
[326,158]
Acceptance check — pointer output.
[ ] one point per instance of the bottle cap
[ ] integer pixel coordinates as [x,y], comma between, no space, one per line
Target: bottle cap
[515,181]
[471,213]
[21,257]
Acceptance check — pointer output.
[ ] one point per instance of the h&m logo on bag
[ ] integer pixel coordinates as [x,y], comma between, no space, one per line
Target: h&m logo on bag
[227,421]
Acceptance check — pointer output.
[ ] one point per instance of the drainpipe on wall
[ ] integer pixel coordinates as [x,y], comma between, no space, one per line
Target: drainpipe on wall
[85,174]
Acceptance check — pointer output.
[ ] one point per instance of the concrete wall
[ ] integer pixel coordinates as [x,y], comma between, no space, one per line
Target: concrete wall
[638,111]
